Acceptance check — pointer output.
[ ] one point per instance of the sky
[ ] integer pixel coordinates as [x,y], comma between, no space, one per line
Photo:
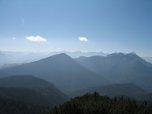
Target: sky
[76,25]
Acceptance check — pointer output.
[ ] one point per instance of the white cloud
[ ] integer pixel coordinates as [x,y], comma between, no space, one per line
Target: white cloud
[83,39]
[36,38]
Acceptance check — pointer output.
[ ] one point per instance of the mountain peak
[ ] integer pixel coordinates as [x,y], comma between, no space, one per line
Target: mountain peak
[62,55]
[57,58]
[132,56]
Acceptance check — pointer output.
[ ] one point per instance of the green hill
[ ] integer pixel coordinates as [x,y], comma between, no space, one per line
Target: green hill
[30,89]
[9,106]
[96,104]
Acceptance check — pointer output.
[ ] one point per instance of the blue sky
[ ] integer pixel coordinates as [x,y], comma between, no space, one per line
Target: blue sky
[76,25]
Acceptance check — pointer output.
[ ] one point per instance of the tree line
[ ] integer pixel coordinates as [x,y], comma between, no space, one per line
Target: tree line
[96,104]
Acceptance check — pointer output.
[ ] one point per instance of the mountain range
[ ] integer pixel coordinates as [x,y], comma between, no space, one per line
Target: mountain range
[10,58]
[61,70]
[121,68]
[71,75]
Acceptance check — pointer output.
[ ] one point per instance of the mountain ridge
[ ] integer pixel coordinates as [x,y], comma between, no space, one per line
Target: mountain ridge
[58,69]
[121,68]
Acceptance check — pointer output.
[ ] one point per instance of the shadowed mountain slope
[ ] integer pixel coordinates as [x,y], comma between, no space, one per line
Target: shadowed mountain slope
[61,70]
[121,68]
[30,90]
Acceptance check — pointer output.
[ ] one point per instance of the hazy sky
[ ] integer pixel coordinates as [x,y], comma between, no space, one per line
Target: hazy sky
[76,25]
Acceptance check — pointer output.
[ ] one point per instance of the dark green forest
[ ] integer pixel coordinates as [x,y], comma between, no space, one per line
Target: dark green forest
[9,106]
[96,104]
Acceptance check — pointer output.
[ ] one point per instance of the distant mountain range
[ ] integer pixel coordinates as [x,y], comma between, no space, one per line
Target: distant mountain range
[86,54]
[11,58]
[121,68]
[71,75]
[61,70]
[31,90]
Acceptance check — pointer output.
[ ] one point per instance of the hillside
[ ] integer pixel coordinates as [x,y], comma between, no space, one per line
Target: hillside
[58,69]
[31,90]
[24,81]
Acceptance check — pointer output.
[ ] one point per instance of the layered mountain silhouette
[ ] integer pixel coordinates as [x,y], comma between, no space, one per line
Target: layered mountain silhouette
[121,68]
[32,90]
[63,71]
[10,58]
[13,57]
[71,75]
